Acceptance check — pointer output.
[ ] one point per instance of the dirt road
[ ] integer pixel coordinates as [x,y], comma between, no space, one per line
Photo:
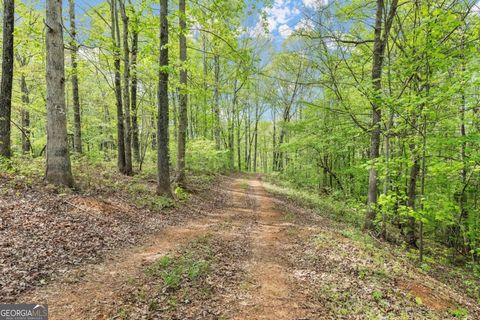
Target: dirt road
[267,260]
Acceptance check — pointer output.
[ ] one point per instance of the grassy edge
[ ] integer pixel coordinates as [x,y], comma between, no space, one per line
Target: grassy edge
[351,213]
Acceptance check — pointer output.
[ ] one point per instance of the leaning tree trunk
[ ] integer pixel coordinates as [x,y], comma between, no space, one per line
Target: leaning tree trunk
[77,133]
[163,159]
[58,159]
[183,97]
[7,77]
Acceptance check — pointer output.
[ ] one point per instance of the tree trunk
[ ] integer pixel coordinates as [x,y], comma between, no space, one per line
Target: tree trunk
[255,144]
[247,139]
[135,138]
[377,65]
[118,90]
[77,134]
[58,159]
[216,103]
[126,91]
[173,99]
[163,184]
[25,114]
[154,133]
[183,97]
[205,86]
[412,192]
[231,134]
[7,78]
[274,140]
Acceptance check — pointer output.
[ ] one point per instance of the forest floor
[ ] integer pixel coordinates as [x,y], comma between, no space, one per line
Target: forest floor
[234,252]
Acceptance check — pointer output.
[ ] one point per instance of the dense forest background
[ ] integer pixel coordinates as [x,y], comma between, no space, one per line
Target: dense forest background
[372,104]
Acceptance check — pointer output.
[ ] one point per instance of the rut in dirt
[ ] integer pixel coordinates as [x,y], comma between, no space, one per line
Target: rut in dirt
[274,294]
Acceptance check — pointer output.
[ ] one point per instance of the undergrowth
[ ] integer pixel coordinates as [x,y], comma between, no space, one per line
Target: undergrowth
[175,279]
[437,261]
[93,177]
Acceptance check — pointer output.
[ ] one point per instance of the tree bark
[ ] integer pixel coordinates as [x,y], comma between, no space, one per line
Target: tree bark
[274,139]
[135,138]
[183,97]
[163,184]
[412,192]
[118,90]
[126,91]
[205,86]
[231,129]
[216,102]
[25,114]
[58,159]
[7,78]
[77,134]
[255,144]
[377,65]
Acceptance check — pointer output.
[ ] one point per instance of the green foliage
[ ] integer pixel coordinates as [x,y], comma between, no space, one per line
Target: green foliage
[418,301]
[377,295]
[346,210]
[244,185]
[202,155]
[180,193]
[425,267]
[459,313]
[154,202]
[191,265]
[173,270]
[300,112]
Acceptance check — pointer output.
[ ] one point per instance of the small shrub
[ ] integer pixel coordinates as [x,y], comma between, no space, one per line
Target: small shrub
[180,193]
[459,313]
[377,295]
[173,270]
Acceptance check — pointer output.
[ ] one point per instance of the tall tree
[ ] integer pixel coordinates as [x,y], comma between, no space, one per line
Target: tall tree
[24,112]
[163,158]
[216,101]
[134,89]
[77,124]
[183,97]
[26,144]
[7,77]
[126,90]
[380,41]
[121,162]
[58,159]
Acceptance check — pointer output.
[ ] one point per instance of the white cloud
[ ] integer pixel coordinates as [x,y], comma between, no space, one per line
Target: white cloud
[258,30]
[272,24]
[304,25]
[285,31]
[315,4]
[476,8]
[279,14]
[331,44]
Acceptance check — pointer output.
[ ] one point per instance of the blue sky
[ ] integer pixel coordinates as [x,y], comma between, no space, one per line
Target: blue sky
[283,16]
[286,16]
